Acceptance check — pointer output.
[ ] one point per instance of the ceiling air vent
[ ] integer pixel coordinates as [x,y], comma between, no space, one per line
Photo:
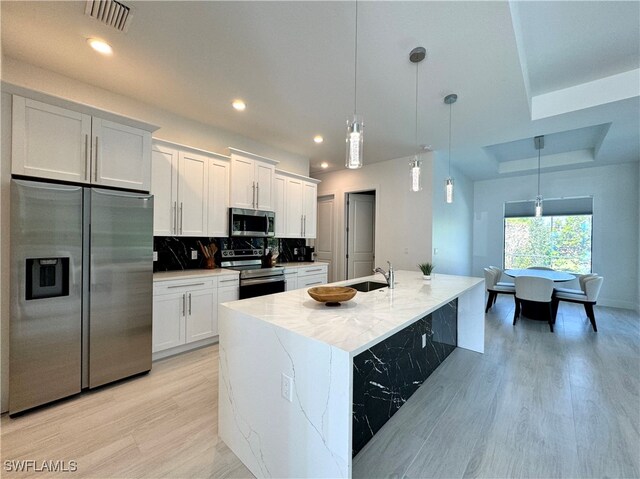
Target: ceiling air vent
[111,13]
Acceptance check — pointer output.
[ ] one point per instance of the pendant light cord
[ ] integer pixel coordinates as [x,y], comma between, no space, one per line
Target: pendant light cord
[538,169]
[450,113]
[355,75]
[416,133]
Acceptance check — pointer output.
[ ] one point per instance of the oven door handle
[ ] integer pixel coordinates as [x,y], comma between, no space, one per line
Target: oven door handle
[251,282]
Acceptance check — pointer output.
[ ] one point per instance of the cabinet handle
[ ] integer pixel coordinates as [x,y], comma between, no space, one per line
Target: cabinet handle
[257,195]
[87,166]
[189,304]
[185,285]
[235,280]
[184,299]
[304,233]
[181,217]
[253,194]
[96,158]
[316,282]
[312,270]
[174,220]
[301,227]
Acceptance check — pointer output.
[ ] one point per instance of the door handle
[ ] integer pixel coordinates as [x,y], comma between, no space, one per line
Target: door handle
[181,217]
[189,304]
[87,166]
[97,161]
[257,195]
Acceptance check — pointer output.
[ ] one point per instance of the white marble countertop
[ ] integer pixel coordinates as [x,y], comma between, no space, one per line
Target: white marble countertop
[301,264]
[193,273]
[367,318]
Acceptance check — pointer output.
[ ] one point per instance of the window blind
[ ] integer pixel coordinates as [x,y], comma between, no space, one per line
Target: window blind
[582,205]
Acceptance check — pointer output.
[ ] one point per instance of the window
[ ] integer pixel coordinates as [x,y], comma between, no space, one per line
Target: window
[560,242]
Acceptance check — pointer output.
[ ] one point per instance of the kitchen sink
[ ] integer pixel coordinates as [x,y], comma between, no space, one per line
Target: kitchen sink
[367,286]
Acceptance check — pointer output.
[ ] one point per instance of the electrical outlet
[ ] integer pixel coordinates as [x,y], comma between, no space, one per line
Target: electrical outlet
[155,256]
[194,254]
[295,251]
[424,340]
[286,387]
[406,251]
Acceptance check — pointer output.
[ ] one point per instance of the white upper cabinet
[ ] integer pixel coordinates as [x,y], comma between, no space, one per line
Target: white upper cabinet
[280,205]
[191,191]
[164,187]
[59,143]
[251,185]
[309,209]
[218,223]
[193,188]
[295,197]
[121,155]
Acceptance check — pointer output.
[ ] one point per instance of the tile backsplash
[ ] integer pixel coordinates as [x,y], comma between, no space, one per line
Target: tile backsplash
[175,253]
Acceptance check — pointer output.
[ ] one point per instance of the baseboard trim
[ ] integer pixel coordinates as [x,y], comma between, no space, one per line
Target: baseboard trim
[612,303]
[183,348]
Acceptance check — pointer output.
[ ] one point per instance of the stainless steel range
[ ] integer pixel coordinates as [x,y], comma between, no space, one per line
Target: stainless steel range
[255,280]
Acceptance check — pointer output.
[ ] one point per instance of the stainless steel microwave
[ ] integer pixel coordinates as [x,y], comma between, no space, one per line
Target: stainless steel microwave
[255,223]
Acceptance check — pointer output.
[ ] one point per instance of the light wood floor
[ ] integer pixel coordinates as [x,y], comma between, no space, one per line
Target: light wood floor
[535,404]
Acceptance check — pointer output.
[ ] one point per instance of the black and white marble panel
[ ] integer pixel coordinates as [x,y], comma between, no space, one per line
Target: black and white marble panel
[386,375]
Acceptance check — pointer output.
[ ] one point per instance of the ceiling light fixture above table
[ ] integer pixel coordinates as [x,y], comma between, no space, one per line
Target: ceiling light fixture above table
[416,56]
[538,142]
[448,183]
[355,126]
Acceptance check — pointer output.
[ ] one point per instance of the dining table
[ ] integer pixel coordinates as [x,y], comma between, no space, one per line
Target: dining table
[556,276]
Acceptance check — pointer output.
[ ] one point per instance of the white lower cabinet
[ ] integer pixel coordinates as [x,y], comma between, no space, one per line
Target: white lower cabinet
[186,311]
[297,277]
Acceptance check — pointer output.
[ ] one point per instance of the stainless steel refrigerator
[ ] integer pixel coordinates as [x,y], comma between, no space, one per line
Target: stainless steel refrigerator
[81,289]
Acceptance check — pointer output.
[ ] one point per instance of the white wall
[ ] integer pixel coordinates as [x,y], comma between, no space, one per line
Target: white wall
[452,223]
[615,222]
[403,218]
[172,127]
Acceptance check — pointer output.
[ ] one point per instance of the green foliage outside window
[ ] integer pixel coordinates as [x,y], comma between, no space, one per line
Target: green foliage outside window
[559,242]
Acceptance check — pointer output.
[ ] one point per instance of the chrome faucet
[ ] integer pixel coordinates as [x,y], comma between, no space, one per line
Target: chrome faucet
[389,276]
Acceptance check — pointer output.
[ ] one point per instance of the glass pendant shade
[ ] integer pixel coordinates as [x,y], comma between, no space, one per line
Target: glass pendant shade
[538,206]
[355,130]
[448,190]
[414,173]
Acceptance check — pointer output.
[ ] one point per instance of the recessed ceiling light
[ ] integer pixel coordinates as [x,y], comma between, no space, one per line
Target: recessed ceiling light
[324,164]
[318,139]
[239,105]
[100,46]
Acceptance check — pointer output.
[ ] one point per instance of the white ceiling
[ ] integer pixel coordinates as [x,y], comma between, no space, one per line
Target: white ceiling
[292,62]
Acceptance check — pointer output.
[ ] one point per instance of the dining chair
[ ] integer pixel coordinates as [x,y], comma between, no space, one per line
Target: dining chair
[587,298]
[540,267]
[499,271]
[491,282]
[534,293]
[581,279]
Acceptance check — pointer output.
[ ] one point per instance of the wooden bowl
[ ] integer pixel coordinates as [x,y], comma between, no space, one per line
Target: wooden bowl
[331,295]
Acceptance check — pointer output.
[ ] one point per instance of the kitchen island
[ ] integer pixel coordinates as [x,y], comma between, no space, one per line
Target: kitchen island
[303,386]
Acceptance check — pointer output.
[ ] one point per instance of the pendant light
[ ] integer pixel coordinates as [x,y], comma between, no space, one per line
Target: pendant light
[416,56]
[355,126]
[448,183]
[538,142]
